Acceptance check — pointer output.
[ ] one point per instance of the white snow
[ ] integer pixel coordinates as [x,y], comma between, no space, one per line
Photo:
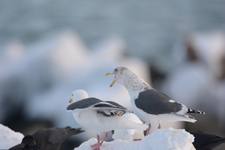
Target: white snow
[9,138]
[189,79]
[210,47]
[163,139]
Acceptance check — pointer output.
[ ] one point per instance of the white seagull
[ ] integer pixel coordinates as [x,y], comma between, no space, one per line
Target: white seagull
[154,105]
[100,116]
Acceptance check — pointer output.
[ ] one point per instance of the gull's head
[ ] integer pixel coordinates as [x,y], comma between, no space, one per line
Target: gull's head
[122,75]
[78,95]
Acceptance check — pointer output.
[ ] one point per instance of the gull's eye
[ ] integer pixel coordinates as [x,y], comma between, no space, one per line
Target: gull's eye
[116,70]
[72,95]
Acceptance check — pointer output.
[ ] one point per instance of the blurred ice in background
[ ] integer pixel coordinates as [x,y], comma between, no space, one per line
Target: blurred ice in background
[50,48]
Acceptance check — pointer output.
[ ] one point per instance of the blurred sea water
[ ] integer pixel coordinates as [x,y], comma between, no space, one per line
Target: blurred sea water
[150,28]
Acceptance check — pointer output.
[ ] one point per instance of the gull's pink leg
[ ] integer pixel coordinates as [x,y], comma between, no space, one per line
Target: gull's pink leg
[137,139]
[96,145]
[149,128]
[106,135]
[98,142]
[159,127]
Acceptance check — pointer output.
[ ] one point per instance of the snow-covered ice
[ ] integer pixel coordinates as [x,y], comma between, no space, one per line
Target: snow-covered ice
[9,138]
[163,139]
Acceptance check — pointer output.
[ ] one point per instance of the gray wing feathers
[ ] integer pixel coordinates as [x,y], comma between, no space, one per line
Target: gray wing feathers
[155,102]
[107,108]
[84,103]
[110,108]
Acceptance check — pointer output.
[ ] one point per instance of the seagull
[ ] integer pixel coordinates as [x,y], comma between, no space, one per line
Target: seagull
[129,134]
[152,104]
[100,116]
[206,141]
[46,139]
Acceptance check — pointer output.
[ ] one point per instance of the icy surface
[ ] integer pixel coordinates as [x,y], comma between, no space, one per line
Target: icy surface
[9,138]
[163,139]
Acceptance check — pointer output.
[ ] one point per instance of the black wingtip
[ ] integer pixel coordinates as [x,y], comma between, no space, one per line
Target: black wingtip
[195,111]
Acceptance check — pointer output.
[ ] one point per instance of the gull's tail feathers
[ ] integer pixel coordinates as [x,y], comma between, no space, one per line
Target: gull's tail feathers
[127,124]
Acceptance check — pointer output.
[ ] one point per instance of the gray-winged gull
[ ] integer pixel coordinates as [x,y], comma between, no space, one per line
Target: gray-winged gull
[100,116]
[154,105]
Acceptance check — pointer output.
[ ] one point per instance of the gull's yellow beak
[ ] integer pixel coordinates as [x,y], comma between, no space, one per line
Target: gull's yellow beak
[112,83]
[109,73]
[71,100]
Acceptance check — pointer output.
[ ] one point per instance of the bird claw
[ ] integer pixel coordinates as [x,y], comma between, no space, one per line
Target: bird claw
[94,145]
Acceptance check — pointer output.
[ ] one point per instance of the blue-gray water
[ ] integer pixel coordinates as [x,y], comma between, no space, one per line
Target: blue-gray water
[146,26]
